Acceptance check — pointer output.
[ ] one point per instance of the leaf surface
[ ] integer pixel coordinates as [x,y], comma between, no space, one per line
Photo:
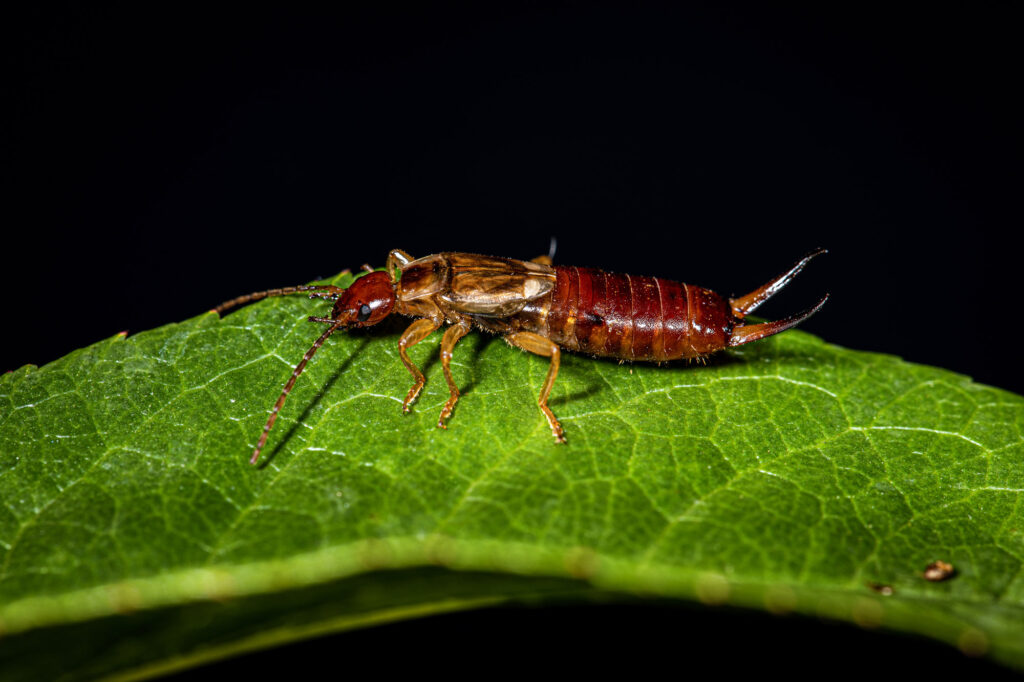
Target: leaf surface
[788,474]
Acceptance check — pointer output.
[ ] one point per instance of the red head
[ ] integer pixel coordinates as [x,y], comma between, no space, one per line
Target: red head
[369,300]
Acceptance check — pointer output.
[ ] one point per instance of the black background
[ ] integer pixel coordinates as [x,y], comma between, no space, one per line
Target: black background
[162,160]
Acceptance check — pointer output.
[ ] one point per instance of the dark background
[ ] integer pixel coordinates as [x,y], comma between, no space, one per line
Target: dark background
[162,160]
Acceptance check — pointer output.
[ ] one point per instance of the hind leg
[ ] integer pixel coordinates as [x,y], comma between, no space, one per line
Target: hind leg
[537,344]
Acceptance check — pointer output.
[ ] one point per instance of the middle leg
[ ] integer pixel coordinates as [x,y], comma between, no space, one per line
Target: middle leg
[416,332]
[451,337]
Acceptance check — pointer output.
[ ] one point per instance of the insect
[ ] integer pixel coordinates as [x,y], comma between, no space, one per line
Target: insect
[537,307]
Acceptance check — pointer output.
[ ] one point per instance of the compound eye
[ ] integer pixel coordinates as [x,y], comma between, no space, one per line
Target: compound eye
[364,313]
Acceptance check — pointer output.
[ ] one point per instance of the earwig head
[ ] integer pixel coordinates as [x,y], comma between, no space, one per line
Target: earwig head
[369,300]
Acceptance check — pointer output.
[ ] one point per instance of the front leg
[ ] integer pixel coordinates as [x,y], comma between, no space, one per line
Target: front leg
[416,332]
[451,337]
[535,343]
[396,261]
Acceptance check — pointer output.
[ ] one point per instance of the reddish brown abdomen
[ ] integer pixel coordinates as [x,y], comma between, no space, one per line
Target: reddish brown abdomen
[635,318]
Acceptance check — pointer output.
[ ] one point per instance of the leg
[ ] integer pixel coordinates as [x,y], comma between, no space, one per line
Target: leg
[416,332]
[396,259]
[535,343]
[451,337]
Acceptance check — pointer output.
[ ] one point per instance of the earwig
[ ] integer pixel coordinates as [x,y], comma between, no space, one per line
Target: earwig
[539,308]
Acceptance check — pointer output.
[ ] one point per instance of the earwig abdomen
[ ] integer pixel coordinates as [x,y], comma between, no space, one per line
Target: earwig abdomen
[635,318]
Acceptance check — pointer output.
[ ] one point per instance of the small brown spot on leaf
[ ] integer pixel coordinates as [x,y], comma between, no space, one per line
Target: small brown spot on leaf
[937,571]
[882,589]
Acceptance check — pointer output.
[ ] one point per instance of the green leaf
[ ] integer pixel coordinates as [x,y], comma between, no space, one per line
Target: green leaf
[789,475]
